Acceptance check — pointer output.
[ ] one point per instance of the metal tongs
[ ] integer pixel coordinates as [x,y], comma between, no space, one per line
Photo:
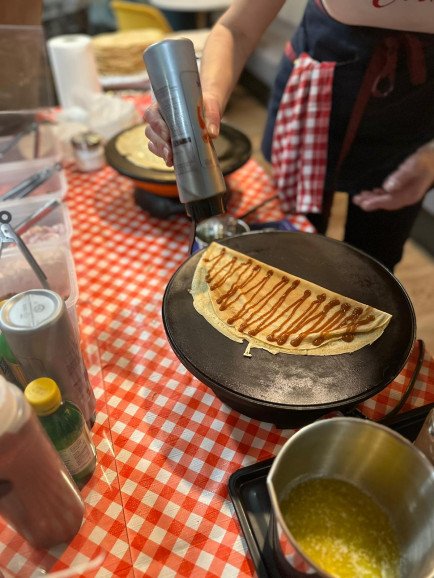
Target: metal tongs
[8,235]
[25,187]
[33,126]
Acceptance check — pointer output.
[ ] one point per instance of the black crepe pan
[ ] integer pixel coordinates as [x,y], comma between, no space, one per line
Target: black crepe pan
[232,147]
[293,390]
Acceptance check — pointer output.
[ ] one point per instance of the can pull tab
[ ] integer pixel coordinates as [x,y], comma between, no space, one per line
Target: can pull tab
[8,235]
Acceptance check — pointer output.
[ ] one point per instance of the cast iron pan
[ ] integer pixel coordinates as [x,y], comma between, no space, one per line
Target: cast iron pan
[232,146]
[292,390]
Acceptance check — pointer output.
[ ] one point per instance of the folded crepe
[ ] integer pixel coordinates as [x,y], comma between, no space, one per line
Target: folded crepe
[246,299]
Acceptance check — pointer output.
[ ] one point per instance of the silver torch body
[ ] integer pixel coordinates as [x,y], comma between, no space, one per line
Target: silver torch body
[174,76]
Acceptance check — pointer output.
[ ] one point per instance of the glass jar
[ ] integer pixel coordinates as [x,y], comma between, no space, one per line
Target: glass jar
[88,151]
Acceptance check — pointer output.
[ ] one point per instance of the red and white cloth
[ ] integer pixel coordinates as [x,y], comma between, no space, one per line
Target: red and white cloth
[158,503]
[300,140]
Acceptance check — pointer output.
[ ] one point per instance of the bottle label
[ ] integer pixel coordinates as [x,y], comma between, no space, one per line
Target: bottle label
[78,455]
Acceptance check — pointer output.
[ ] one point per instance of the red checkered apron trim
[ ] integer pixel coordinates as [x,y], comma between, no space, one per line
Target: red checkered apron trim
[300,139]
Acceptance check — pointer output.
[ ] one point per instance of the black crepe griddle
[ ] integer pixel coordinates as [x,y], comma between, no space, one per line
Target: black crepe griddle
[233,149]
[292,390]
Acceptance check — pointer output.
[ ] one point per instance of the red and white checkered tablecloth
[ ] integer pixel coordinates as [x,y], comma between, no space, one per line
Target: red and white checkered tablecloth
[158,503]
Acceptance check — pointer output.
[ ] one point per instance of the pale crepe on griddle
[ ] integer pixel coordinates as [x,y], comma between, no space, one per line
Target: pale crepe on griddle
[133,144]
[286,314]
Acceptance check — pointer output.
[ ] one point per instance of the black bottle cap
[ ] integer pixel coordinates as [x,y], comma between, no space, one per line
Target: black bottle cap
[206,208]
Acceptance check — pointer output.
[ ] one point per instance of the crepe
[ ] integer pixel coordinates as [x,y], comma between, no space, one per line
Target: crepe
[271,309]
[121,53]
[133,144]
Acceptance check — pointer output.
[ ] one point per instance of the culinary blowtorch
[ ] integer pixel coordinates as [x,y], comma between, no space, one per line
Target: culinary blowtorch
[173,72]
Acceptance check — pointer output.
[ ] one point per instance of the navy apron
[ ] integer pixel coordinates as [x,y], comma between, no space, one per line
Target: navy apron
[392,114]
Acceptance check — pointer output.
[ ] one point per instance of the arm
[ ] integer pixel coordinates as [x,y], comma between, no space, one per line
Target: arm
[406,186]
[230,43]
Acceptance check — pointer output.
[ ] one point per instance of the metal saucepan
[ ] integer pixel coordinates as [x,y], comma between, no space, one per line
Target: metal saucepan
[379,462]
[292,390]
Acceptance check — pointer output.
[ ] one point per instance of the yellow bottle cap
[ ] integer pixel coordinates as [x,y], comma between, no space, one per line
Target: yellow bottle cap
[44,395]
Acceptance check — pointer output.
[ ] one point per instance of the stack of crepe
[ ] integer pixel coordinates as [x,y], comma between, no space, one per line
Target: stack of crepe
[121,53]
[246,299]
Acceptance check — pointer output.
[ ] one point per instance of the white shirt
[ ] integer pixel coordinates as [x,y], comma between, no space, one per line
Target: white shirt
[407,15]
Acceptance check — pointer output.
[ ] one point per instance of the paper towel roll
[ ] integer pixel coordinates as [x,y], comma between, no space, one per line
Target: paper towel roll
[73,66]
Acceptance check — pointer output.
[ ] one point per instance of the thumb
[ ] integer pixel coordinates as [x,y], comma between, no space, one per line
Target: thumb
[212,115]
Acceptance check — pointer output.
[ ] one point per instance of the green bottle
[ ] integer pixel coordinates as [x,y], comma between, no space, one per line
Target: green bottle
[9,365]
[66,427]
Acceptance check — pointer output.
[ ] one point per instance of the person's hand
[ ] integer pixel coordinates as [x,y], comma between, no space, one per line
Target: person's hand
[405,186]
[158,133]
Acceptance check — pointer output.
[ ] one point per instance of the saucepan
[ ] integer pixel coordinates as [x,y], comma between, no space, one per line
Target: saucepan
[374,459]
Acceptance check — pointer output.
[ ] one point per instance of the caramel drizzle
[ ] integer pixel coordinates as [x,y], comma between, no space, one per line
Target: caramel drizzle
[289,326]
[317,323]
[217,260]
[256,289]
[308,322]
[232,268]
[267,318]
[252,307]
[223,300]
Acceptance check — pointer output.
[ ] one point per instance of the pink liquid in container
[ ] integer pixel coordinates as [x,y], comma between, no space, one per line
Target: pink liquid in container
[37,495]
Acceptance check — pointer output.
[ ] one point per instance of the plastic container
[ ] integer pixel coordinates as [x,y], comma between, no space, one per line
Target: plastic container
[54,226]
[38,497]
[64,424]
[56,261]
[32,152]
[13,175]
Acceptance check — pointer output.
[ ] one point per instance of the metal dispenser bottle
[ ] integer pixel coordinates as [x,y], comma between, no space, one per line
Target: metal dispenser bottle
[174,76]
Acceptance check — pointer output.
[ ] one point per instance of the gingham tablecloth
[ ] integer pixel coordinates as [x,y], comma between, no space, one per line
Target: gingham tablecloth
[158,502]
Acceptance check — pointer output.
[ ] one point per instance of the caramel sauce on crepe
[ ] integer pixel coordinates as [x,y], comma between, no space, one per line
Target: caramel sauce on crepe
[246,299]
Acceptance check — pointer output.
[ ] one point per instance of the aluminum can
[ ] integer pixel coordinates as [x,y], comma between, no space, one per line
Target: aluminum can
[173,72]
[37,328]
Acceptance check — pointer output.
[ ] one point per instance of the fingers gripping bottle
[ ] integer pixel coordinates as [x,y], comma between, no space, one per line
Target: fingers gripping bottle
[38,498]
[174,76]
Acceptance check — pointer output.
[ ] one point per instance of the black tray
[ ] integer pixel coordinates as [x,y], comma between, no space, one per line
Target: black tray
[249,494]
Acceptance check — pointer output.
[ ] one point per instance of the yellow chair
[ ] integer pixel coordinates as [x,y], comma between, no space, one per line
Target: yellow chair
[131,16]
